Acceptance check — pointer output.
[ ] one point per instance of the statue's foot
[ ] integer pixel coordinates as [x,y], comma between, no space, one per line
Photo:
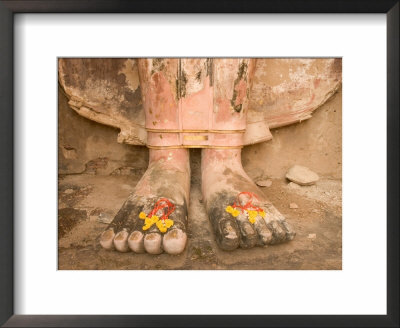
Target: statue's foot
[154,217]
[239,212]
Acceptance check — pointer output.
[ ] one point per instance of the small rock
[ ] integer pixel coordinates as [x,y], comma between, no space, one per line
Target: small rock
[314,210]
[293,205]
[312,236]
[68,191]
[302,175]
[264,183]
[105,217]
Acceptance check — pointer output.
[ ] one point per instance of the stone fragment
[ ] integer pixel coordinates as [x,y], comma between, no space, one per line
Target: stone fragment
[105,217]
[264,183]
[68,191]
[314,210]
[293,205]
[312,236]
[302,175]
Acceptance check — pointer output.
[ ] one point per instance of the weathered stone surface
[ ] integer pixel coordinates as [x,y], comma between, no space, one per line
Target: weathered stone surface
[288,90]
[293,205]
[315,143]
[69,218]
[264,183]
[302,175]
[106,91]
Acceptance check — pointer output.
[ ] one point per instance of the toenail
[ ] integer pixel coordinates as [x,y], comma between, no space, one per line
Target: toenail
[172,234]
[136,236]
[151,237]
[119,237]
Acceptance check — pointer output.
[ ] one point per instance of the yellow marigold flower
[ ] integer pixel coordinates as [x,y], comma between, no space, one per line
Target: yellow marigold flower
[229,209]
[235,212]
[262,213]
[142,215]
[169,223]
[154,218]
[252,220]
[161,226]
[145,227]
[148,221]
[252,215]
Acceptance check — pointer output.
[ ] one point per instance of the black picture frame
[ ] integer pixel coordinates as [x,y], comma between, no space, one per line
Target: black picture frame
[7,11]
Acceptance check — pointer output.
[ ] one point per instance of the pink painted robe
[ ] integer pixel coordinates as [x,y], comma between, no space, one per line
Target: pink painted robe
[197,102]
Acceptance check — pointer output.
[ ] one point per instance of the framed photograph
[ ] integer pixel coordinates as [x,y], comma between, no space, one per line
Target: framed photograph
[213,164]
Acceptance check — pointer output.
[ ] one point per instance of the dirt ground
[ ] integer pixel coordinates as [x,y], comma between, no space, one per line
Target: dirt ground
[87,202]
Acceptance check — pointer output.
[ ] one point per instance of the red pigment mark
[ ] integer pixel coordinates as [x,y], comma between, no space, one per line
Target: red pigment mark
[311,99]
[249,204]
[162,203]
[316,83]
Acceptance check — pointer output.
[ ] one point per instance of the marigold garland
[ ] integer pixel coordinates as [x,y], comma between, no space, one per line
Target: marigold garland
[163,223]
[249,209]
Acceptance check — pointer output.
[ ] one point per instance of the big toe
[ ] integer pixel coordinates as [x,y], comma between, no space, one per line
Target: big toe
[174,241]
[228,238]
